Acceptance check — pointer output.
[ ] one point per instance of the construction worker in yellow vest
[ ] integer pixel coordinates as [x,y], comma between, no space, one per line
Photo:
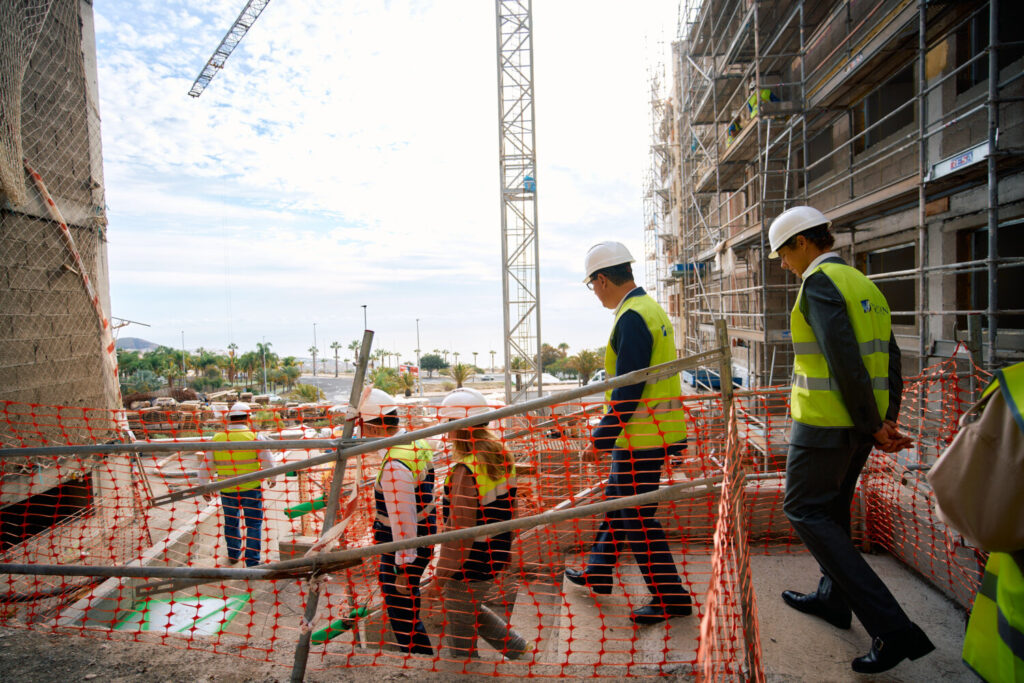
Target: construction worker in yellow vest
[480,489]
[754,101]
[404,500]
[244,502]
[845,400]
[643,425]
[994,643]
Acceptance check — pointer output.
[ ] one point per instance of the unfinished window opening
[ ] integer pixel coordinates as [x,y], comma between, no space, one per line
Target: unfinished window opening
[42,511]
[972,39]
[882,101]
[900,292]
[819,147]
[972,288]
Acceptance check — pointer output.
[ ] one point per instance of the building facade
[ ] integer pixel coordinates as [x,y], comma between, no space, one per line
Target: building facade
[902,121]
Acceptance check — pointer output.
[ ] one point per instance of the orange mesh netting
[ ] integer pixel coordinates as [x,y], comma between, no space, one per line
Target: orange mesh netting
[111,511]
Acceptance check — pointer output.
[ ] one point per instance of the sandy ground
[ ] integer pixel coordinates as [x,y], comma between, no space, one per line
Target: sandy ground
[795,647]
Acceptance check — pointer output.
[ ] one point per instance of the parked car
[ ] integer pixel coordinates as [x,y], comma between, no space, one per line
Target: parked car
[598,376]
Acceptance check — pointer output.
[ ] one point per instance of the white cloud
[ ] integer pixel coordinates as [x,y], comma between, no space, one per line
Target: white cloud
[347,154]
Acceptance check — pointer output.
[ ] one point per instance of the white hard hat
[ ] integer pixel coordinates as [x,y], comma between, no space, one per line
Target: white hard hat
[239,409]
[793,222]
[463,402]
[604,255]
[374,403]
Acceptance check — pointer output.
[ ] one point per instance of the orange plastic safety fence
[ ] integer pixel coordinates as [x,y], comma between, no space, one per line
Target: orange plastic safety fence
[480,610]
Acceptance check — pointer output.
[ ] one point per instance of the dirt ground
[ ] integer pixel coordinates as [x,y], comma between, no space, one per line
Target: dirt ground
[795,647]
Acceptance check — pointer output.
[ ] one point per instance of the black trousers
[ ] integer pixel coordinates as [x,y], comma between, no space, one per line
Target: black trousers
[820,483]
[404,610]
[636,530]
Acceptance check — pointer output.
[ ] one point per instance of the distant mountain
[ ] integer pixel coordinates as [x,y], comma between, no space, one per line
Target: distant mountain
[135,344]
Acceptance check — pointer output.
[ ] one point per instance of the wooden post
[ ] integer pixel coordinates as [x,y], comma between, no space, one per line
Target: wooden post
[330,514]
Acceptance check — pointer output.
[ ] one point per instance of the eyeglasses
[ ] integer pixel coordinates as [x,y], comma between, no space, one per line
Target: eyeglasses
[590,283]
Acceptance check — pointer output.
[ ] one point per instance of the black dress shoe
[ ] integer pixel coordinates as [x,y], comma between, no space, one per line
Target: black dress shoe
[889,650]
[582,578]
[657,612]
[809,603]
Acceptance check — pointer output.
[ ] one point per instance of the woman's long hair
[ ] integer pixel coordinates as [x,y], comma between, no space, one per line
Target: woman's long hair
[488,450]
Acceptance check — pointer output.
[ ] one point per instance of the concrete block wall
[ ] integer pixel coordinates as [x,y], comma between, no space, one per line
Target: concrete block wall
[50,335]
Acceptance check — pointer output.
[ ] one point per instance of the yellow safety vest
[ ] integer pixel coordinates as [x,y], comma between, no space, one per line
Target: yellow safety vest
[815,399]
[994,642]
[752,101]
[659,419]
[235,463]
[489,554]
[419,458]
[1011,381]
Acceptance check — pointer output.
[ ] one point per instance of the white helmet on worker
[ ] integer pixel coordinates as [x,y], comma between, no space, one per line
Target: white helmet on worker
[239,409]
[792,222]
[462,402]
[374,404]
[605,255]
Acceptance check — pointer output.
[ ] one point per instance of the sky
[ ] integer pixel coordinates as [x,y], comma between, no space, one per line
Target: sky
[347,156]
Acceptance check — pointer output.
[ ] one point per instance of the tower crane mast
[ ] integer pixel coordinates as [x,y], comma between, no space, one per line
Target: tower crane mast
[246,18]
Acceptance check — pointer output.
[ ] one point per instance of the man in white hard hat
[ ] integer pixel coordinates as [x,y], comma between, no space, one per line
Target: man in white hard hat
[845,400]
[404,499]
[242,503]
[643,425]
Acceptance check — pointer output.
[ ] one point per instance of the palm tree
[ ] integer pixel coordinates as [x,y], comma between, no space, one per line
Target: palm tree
[474,359]
[313,350]
[585,363]
[335,346]
[563,348]
[232,347]
[354,347]
[460,373]
[407,383]
[307,393]
[492,359]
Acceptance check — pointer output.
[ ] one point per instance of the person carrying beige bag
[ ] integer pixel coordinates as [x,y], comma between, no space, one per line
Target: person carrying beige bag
[978,482]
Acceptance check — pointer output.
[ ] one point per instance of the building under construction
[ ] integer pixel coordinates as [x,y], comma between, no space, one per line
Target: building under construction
[901,121]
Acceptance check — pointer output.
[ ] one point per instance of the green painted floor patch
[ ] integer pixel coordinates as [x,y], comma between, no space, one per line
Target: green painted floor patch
[202,615]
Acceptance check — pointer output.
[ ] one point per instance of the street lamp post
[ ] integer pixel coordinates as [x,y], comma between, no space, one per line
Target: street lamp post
[419,380]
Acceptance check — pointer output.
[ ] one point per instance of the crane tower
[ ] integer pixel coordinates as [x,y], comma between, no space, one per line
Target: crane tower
[518,162]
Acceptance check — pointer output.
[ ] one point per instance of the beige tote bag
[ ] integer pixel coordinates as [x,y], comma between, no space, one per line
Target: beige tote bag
[979,479]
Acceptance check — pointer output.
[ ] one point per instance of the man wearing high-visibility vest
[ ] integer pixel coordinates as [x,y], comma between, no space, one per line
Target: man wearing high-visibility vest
[643,425]
[994,643]
[845,399]
[244,502]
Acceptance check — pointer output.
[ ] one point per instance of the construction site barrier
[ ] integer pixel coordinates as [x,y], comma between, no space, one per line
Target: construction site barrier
[84,550]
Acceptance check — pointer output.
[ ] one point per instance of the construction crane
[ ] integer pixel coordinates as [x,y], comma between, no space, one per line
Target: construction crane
[246,18]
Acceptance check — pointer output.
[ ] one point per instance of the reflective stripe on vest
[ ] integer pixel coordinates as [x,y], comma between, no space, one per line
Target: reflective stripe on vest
[659,419]
[994,642]
[419,458]
[489,554]
[235,463]
[815,398]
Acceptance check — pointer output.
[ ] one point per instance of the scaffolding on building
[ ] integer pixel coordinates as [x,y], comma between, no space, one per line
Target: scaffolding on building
[889,117]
